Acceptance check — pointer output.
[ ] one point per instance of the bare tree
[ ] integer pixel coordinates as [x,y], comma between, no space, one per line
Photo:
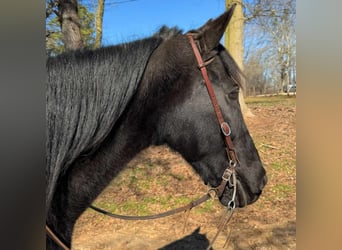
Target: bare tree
[67,12]
[254,72]
[274,22]
[100,6]
[54,37]
[70,24]
[234,44]
[98,23]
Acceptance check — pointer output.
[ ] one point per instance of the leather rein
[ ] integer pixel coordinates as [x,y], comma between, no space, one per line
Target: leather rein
[229,175]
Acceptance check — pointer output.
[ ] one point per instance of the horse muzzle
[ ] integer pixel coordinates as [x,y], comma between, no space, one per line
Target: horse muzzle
[243,196]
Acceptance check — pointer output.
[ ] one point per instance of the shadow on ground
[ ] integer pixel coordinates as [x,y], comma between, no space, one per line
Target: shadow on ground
[277,239]
[194,241]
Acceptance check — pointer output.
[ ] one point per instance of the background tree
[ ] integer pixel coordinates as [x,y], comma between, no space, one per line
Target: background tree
[269,43]
[70,24]
[100,8]
[98,23]
[234,43]
[85,27]
[254,72]
[54,35]
[270,25]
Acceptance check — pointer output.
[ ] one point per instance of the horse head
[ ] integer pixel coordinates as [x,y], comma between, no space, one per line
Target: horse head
[186,119]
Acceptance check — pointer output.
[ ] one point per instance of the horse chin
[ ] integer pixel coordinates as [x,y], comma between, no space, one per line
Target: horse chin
[242,198]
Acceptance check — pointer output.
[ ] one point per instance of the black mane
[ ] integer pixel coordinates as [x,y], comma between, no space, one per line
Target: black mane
[166,32]
[87,91]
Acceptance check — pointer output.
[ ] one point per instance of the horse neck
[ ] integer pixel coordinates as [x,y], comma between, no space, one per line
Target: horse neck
[89,175]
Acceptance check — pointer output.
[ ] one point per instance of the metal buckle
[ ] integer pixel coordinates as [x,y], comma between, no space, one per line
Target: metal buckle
[225,124]
[231,204]
[232,157]
[232,163]
[212,192]
[227,174]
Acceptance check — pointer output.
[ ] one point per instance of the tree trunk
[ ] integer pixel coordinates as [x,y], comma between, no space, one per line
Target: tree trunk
[70,24]
[98,23]
[234,44]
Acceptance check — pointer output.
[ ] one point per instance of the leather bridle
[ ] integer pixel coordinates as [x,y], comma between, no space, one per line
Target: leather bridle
[226,131]
[229,174]
[225,128]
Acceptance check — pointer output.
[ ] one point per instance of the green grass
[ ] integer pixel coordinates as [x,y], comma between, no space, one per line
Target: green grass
[140,179]
[285,165]
[207,207]
[147,205]
[283,190]
[276,165]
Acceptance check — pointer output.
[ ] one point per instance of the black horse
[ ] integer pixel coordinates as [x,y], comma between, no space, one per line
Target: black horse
[106,105]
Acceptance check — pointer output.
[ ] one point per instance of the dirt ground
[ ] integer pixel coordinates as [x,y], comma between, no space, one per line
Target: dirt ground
[159,179]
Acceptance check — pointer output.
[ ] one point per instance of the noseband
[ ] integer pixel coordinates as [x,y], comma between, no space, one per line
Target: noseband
[229,175]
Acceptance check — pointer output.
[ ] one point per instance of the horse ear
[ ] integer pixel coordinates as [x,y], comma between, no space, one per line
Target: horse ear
[209,35]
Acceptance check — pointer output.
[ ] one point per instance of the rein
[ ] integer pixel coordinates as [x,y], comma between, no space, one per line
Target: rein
[155,216]
[228,174]
[55,238]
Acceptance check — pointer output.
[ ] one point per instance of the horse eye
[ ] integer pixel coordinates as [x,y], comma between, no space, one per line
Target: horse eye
[234,94]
